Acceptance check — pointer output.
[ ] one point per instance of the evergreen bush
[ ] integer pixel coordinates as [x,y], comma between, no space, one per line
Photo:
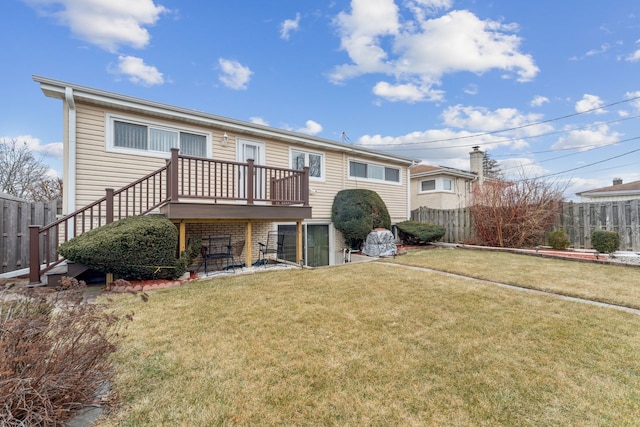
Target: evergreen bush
[414,232]
[356,212]
[134,248]
[558,239]
[605,242]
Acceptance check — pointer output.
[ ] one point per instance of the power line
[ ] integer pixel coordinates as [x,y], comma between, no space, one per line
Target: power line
[455,138]
[591,164]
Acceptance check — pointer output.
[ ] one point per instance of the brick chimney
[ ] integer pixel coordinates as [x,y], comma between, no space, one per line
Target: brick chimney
[476,163]
[617,181]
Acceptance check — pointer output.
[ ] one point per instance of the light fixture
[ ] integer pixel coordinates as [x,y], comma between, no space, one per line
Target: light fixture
[225,139]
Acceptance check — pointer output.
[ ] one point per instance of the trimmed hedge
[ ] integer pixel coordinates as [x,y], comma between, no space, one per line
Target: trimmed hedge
[605,242]
[414,232]
[558,239]
[356,212]
[134,248]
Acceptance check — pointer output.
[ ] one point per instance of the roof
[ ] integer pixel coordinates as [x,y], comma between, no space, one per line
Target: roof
[423,170]
[61,90]
[630,189]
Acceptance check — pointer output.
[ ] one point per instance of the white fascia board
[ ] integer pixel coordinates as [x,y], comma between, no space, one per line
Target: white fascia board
[56,89]
[444,172]
[609,193]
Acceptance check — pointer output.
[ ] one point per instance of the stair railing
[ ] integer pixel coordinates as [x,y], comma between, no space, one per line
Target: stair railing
[138,198]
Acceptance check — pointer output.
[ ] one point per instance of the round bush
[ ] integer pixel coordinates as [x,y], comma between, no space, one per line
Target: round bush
[558,239]
[356,212]
[605,242]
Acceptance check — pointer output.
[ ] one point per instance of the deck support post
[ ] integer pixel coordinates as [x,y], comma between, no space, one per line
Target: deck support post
[299,242]
[247,252]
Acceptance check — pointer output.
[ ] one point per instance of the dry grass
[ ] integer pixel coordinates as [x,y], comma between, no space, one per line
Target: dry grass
[613,284]
[370,344]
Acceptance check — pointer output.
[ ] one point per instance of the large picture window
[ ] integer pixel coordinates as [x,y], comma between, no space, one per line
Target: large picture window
[315,161]
[373,172]
[152,138]
[436,184]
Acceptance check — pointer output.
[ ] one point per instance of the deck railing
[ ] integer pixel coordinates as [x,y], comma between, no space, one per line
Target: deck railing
[183,177]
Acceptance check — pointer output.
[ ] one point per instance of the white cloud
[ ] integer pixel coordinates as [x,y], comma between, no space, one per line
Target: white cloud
[137,71]
[258,121]
[311,128]
[288,26]
[108,24]
[586,139]
[539,100]
[481,119]
[635,56]
[446,147]
[419,52]
[405,92]
[603,48]
[588,103]
[636,102]
[54,149]
[234,75]
[471,89]
[521,167]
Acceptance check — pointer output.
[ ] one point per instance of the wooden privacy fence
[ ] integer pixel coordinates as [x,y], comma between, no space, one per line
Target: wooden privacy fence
[456,222]
[579,220]
[15,218]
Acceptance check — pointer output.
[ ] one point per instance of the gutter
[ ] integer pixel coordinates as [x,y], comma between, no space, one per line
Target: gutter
[70,178]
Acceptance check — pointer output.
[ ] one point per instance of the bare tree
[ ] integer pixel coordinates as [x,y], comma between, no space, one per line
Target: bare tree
[515,213]
[45,190]
[22,174]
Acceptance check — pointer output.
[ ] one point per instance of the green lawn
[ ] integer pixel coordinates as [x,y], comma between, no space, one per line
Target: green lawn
[613,284]
[372,344]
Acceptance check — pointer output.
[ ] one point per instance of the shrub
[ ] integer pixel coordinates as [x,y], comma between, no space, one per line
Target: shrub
[414,232]
[515,214]
[558,239]
[134,248]
[605,241]
[54,354]
[356,212]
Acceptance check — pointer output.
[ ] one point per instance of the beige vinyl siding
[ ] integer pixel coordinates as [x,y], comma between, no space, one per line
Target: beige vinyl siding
[394,195]
[98,168]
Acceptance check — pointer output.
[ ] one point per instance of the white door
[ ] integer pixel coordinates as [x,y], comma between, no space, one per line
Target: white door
[246,150]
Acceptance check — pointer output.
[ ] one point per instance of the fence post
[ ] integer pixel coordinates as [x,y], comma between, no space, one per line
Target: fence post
[34,254]
[109,201]
[172,175]
[249,181]
[305,186]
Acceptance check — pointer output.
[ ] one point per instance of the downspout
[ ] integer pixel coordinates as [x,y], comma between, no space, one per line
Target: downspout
[70,167]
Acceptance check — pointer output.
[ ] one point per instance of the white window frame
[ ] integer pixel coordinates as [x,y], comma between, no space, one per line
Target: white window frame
[439,185]
[306,153]
[110,119]
[375,165]
[435,185]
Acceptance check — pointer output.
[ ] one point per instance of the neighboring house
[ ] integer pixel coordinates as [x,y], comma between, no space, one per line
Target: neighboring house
[613,193]
[440,187]
[230,177]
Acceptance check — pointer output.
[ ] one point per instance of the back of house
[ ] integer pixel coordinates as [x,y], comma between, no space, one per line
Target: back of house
[113,140]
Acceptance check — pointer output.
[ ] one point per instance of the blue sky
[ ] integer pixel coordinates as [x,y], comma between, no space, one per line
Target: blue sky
[548,88]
